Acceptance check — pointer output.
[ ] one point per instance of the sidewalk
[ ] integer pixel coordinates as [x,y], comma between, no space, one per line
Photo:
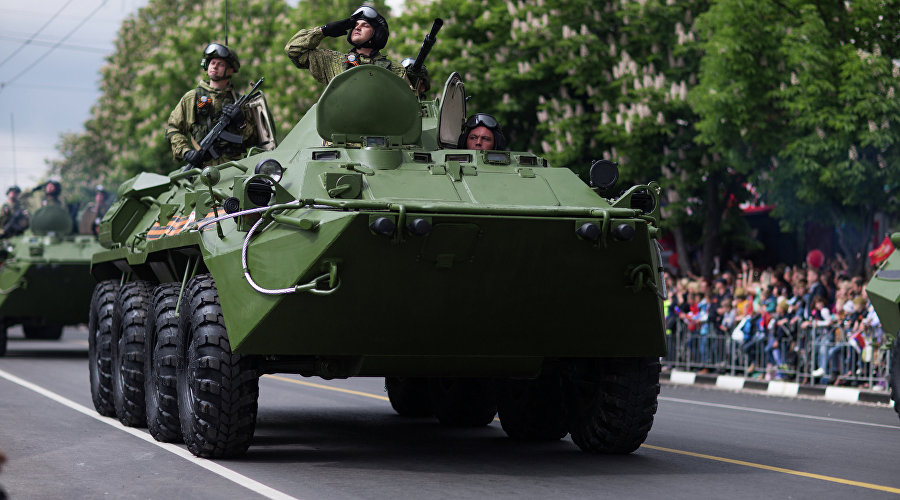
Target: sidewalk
[779,387]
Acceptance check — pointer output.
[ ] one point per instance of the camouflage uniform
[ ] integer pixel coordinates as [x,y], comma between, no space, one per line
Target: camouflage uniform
[10,227]
[195,116]
[324,64]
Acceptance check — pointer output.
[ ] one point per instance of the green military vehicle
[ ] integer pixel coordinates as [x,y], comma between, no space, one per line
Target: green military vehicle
[45,281]
[884,293]
[368,245]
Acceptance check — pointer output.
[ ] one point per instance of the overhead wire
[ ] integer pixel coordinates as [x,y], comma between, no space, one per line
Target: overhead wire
[36,33]
[54,47]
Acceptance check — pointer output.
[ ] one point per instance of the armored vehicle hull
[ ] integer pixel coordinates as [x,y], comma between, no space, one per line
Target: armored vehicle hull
[474,281]
[883,291]
[45,283]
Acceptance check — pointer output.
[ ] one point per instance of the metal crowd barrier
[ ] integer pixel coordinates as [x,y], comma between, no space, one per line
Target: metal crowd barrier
[808,355]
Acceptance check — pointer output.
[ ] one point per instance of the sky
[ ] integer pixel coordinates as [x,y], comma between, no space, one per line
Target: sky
[51,52]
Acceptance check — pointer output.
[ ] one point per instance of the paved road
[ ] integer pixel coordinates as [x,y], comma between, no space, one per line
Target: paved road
[340,439]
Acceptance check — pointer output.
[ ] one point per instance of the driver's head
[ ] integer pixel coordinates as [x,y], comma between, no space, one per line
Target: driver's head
[482,131]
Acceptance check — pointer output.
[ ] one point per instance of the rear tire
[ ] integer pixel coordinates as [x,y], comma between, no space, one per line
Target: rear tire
[463,402]
[4,337]
[43,332]
[532,410]
[611,402]
[409,396]
[127,344]
[161,364]
[217,390]
[894,375]
[99,351]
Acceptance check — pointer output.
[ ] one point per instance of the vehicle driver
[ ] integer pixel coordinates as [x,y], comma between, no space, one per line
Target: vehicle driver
[482,132]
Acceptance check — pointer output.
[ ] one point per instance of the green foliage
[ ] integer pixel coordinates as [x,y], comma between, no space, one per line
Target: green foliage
[793,96]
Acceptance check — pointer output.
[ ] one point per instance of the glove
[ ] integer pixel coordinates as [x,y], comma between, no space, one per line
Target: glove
[192,157]
[234,112]
[338,28]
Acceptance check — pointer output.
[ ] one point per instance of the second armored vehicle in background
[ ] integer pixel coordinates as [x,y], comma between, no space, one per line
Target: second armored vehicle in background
[883,291]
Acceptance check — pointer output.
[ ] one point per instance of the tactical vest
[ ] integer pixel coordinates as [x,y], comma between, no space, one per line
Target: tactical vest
[205,118]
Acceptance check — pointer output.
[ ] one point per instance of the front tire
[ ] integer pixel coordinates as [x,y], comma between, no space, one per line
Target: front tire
[217,390]
[611,402]
[4,337]
[409,396]
[129,320]
[103,302]
[164,342]
[464,402]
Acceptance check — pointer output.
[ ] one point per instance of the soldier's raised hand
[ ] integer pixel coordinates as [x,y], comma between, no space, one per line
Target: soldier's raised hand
[338,28]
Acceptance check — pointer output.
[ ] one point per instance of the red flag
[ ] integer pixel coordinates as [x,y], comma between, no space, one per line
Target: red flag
[882,252]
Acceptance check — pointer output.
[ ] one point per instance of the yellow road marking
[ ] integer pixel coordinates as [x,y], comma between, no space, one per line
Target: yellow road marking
[328,387]
[772,468]
[782,470]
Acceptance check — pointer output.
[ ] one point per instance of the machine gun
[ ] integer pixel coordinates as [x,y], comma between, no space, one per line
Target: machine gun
[415,69]
[207,145]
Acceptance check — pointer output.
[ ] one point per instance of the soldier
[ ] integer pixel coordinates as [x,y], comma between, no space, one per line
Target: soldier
[93,212]
[482,131]
[14,216]
[368,34]
[52,190]
[200,109]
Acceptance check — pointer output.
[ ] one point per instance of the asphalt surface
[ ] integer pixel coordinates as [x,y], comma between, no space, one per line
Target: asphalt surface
[341,439]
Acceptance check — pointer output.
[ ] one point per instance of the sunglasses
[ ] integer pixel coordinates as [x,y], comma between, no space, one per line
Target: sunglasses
[366,12]
[479,119]
[214,49]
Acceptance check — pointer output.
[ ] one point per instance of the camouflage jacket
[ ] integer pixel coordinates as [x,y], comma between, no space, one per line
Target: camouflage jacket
[13,219]
[196,114]
[324,64]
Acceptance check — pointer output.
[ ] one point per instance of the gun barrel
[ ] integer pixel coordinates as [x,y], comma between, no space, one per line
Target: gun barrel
[430,38]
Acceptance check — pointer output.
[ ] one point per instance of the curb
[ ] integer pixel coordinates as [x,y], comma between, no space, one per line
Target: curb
[779,387]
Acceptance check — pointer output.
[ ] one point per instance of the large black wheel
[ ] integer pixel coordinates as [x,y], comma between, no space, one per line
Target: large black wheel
[409,396]
[3,337]
[99,350]
[611,402]
[42,332]
[161,364]
[127,345]
[532,410]
[464,402]
[895,374]
[217,390]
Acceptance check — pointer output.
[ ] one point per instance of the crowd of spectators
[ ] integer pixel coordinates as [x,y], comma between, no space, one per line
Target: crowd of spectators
[808,324]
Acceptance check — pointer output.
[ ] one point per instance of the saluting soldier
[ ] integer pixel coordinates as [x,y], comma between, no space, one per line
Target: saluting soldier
[366,30]
[201,108]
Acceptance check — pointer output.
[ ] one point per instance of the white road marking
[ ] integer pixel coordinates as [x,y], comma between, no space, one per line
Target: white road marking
[213,467]
[774,412]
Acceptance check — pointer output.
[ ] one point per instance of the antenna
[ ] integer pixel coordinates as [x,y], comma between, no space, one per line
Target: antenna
[226,23]
[12,127]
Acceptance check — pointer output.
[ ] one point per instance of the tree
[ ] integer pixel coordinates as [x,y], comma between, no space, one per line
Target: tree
[800,96]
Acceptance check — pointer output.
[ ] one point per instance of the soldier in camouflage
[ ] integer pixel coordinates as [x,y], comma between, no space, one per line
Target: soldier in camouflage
[13,216]
[200,109]
[368,33]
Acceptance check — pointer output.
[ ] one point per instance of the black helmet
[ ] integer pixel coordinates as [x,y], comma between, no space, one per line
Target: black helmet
[17,189]
[57,188]
[483,120]
[379,25]
[214,50]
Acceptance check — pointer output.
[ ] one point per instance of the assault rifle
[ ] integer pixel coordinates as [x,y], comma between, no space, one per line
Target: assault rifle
[207,145]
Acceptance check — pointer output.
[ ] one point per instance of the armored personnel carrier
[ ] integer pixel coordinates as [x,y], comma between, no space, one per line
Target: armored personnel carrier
[45,279]
[884,293]
[367,245]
